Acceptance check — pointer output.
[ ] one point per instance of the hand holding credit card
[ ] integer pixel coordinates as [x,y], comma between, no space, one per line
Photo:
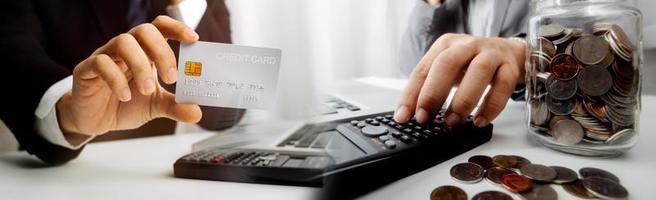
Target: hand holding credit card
[226,75]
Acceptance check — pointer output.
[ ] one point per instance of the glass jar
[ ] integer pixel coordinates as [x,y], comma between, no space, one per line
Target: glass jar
[583,75]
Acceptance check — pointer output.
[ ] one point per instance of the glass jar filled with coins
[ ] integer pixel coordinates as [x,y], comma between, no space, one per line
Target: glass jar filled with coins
[583,75]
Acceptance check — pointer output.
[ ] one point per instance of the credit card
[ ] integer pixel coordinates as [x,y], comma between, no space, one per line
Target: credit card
[226,75]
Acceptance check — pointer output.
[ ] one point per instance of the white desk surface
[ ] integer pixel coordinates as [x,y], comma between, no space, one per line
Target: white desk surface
[143,168]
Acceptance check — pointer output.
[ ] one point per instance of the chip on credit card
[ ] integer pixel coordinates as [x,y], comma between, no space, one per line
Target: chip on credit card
[227,75]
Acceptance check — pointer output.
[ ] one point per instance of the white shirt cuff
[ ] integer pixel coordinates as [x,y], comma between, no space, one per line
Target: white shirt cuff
[189,12]
[46,115]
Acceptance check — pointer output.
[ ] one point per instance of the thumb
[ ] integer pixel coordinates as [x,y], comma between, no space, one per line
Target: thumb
[167,107]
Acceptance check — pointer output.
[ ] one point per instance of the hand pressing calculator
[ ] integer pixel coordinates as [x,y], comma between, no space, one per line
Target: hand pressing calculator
[359,154]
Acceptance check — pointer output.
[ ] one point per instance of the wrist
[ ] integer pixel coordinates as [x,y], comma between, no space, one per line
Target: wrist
[64,114]
[519,47]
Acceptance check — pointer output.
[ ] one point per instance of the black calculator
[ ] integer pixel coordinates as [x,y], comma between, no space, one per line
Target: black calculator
[356,155]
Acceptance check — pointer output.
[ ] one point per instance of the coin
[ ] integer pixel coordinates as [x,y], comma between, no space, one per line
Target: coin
[605,188]
[546,46]
[567,132]
[621,137]
[622,40]
[576,189]
[541,61]
[551,30]
[624,70]
[596,172]
[564,67]
[596,109]
[561,89]
[492,195]
[564,175]
[594,81]
[590,50]
[448,192]
[521,161]
[541,192]
[538,172]
[516,183]
[540,114]
[483,161]
[561,107]
[504,161]
[493,175]
[467,172]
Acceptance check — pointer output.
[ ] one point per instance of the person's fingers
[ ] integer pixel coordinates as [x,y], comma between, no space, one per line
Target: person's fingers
[441,78]
[158,50]
[126,48]
[104,67]
[409,100]
[174,29]
[167,107]
[478,75]
[503,84]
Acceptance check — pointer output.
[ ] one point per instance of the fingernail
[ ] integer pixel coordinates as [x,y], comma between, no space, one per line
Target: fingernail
[422,116]
[453,119]
[125,95]
[148,87]
[401,114]
[191,33]
[480,121]
[173,75]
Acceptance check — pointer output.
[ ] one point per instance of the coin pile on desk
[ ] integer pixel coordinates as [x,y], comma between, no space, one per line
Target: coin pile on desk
[531,181]
[586,85]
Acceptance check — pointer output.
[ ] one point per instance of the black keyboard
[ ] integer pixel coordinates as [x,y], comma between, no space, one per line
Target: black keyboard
[359,154]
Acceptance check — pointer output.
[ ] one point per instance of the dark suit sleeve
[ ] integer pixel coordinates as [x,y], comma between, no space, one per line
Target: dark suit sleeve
[27,72]
[215,27]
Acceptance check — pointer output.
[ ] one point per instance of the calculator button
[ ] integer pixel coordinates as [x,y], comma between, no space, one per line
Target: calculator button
[384,138]
[354,122]
[368,120]
[396,134]
[406,139]
[385,120]
[379,118]
[390,144]
[361,125]
[407,130]
[388,116]
[373,131]
[375,123]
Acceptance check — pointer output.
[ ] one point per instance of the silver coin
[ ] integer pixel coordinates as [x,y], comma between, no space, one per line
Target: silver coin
[564,175]
[492,195]
[561,89]
[596,172]
[567,132]
[551,30]
[540,114]
[591,50]
[538,172]
[541,192]
[594,81]
[561,107]
[621,137]
[467,172]
[605,188]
